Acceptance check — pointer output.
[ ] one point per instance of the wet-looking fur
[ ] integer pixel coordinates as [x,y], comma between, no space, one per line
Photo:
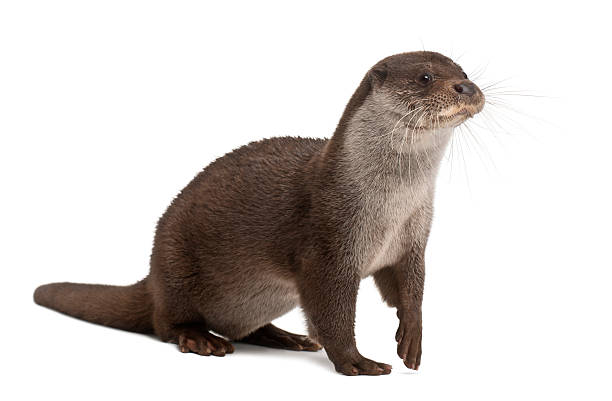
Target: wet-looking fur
[284,222]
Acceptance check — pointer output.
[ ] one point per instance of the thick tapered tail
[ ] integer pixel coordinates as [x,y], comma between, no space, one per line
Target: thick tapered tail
[126,308]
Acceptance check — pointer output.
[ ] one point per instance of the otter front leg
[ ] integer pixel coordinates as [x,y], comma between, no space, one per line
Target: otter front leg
[401,286]
[328,295]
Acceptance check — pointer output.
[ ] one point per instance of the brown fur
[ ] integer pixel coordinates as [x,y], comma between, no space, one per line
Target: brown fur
[293,221]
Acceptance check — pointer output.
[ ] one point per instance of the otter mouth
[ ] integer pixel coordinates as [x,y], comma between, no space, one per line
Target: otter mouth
[449,117]
[444,120]
[463,114]
[456,115]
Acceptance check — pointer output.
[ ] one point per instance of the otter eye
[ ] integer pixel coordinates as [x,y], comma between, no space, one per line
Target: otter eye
[425,78]
[464,75]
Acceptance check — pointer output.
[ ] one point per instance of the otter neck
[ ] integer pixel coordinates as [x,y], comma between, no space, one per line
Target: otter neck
[380,153]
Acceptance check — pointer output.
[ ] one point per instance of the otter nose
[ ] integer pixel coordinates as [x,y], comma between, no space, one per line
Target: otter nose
[465,88]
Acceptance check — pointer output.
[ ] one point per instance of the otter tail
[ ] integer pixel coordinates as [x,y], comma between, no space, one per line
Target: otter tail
[126,308]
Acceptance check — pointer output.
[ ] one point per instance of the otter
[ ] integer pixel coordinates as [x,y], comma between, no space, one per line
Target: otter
[294,221]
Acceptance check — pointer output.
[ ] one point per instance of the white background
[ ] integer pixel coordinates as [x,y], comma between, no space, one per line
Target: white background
[107,109]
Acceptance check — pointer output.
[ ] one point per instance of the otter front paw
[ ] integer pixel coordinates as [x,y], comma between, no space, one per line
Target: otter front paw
[408,339]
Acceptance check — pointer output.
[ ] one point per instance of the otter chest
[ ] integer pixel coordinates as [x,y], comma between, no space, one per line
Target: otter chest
[383,235]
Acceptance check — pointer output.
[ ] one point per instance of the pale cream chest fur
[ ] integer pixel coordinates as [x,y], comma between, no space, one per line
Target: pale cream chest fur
[383,233]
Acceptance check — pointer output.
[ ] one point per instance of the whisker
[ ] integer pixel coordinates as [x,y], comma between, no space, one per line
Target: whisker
[510,93]
[426,152]
[399,156]
[416,159]
[480,149]
[398,121]
[475,75]
[465,169]
[505,107]
[491,85]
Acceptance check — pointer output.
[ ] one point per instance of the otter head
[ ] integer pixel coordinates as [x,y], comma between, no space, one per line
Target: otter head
[426,90]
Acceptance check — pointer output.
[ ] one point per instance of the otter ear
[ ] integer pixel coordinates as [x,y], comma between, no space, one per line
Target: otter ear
[378,74]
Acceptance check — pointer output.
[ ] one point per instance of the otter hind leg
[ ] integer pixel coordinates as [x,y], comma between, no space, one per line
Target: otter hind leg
[271,336]
[198,340]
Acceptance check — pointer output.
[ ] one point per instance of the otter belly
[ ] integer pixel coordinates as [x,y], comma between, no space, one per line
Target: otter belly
[236,312]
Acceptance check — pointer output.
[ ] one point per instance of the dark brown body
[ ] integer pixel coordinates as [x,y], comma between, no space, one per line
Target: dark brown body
[271,226]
